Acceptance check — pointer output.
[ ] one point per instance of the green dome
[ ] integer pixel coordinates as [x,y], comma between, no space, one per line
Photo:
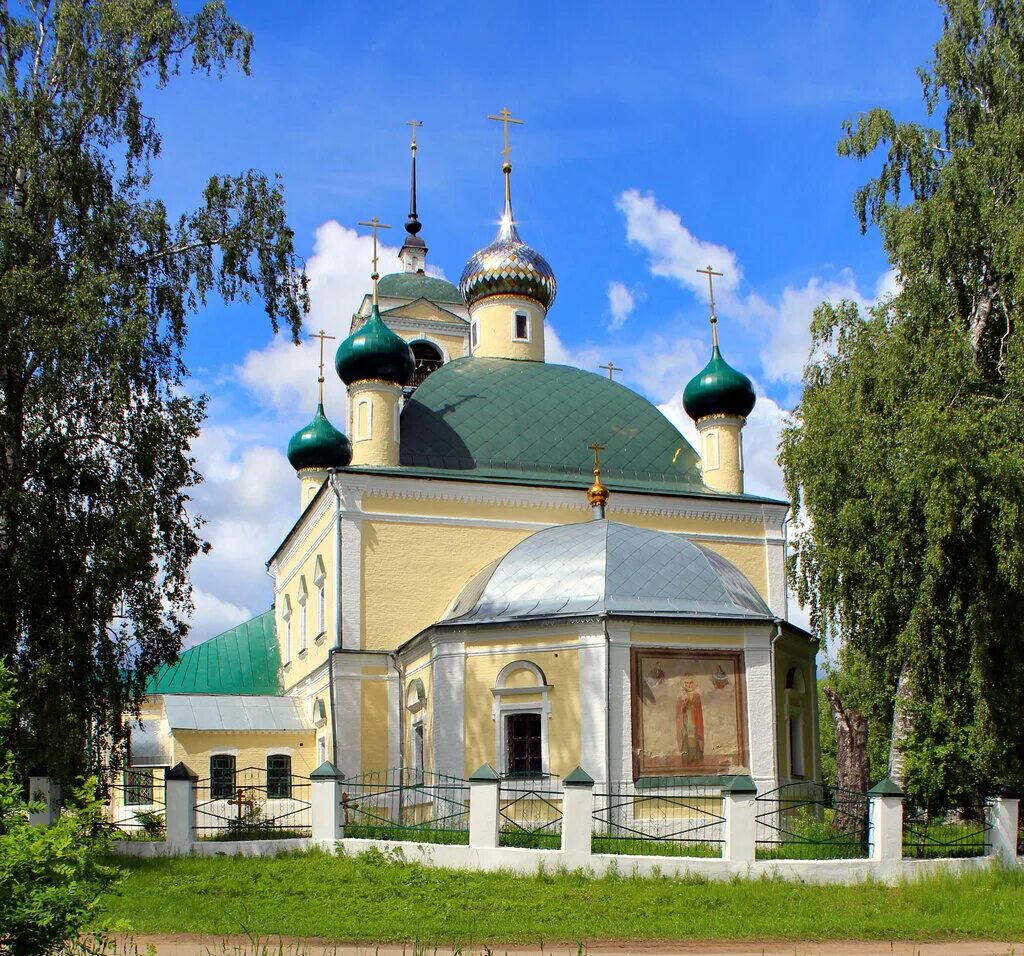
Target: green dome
[374,351]
[718,390]
[319,445]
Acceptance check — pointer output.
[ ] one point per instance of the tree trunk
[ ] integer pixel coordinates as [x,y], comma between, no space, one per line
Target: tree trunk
[851,745]
[901,726]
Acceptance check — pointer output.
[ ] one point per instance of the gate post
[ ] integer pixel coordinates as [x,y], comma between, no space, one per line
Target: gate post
[739,807]
[180,808]
[577,813]
[325,801]
[885,824]
[1003,812]
[484,786]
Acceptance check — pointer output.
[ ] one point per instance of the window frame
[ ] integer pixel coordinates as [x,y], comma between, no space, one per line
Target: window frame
[516,316]
[136,793]
[358,432]
[220,776]
[303,614]
[474,335]
[517,717]
[281,775]
[507,701]
[286,616]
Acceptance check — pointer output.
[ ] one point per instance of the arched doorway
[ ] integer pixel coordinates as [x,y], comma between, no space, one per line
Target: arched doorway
[428,358]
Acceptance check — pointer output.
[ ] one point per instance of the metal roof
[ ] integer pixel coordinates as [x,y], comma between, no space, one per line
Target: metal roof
[512,420]
[242,660]
[603,567]
[233,712]
[412,285]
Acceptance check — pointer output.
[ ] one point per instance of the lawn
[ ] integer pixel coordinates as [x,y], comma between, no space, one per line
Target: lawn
[372,898]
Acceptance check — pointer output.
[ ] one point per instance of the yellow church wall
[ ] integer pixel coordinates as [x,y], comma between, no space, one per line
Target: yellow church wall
[412,572]
[561,669]
[194,749]
[494,320]
[374,723]
[419,669]
[694,635]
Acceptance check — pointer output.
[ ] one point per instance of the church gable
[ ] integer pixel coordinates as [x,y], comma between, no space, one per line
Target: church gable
[424,309]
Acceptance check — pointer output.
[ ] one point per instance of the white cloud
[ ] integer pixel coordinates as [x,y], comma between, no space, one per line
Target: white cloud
[620,305]
[213,616]
[674,251]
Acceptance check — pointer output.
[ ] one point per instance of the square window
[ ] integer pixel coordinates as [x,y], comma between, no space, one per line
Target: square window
[138,787]
[523,744]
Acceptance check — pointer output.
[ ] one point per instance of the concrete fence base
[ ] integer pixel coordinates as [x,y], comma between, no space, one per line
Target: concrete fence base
[884,862]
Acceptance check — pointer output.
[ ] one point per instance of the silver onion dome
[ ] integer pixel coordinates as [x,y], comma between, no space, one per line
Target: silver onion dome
[508,266]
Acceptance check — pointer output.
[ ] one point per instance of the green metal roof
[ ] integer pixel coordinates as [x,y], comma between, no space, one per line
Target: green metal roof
[411,285]
[243,660]
[512,420]
[718,389]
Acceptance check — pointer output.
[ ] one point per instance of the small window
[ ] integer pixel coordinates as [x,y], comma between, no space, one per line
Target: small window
[710,450]
[364,420]
[222,777]
[279,777]
[522,735]
[474,335]
[303,616]
[138,787]
[287,629]
[521,330]
[796,746]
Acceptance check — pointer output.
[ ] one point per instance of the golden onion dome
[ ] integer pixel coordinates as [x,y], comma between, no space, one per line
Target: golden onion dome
[508,266]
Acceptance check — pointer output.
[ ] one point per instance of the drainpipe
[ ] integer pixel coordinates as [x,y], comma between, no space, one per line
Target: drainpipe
[775,707]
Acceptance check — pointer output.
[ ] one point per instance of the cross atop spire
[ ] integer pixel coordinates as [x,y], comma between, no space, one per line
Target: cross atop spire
[709,272]
[597,494]
[321,335]
[413,225]
[374,224]
[505,117]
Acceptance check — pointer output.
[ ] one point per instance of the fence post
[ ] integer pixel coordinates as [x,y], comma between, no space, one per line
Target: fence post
[483,808]
[577,813]
[1003,812]
[739,807]
[885,821]
[180,807]
[44,790]
[325,801]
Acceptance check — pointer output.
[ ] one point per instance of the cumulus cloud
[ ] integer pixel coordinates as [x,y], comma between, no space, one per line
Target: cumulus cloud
[674,252]
[620,305]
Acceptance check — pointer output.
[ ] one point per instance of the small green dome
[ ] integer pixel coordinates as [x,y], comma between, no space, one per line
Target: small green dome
[718,390]
[319,445]
[374,351]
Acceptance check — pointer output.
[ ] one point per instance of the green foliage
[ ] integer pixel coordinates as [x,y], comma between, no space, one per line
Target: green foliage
[377,897]
[905,456]
[50,877]
[97,282]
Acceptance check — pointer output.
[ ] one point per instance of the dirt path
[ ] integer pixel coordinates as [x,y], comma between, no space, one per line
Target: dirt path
[184,944]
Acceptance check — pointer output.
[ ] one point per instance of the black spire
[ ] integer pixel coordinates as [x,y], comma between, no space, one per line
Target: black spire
[413,226]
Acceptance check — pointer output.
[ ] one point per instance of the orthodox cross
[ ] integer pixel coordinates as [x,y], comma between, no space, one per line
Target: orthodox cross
[505,117]
[414,124]
[709,272]
[321,335]
[374,224]
[612,369]
[597,448]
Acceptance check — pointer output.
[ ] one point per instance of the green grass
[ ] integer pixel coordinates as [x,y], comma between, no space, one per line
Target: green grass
[372,897]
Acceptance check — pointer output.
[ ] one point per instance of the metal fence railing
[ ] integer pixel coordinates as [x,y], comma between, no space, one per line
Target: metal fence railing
[658,821]
[400,803]
[809,821]
[530,811]
[241,806]
[945,834]
[139,813]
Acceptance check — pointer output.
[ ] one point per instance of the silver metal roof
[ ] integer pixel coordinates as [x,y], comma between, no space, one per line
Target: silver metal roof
[233,712]
[149,744]
[603,567]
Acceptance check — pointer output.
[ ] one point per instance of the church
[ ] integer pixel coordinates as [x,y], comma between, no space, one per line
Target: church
[503,561]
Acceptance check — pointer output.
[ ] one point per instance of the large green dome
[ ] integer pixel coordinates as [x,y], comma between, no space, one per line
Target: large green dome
[319,445]
[374,351]
[718,390]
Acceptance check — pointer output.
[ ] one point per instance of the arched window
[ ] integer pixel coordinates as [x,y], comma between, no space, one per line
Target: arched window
[287,617]
[428,359]
[303,617]
[320,580]
[363,420]
[521,714]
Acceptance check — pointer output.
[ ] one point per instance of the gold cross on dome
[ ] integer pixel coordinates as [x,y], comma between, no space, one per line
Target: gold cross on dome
[709,272]
[414,124]
[505,117]
[374,224]
[597,448]
[612,369]
[321,335]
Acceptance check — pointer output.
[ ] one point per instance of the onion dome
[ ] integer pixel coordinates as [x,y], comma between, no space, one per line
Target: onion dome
[508,266]
[319,445]
[718,390]
[374,352]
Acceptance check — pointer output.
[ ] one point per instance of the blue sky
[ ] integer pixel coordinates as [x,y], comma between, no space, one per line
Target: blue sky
[657,137]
